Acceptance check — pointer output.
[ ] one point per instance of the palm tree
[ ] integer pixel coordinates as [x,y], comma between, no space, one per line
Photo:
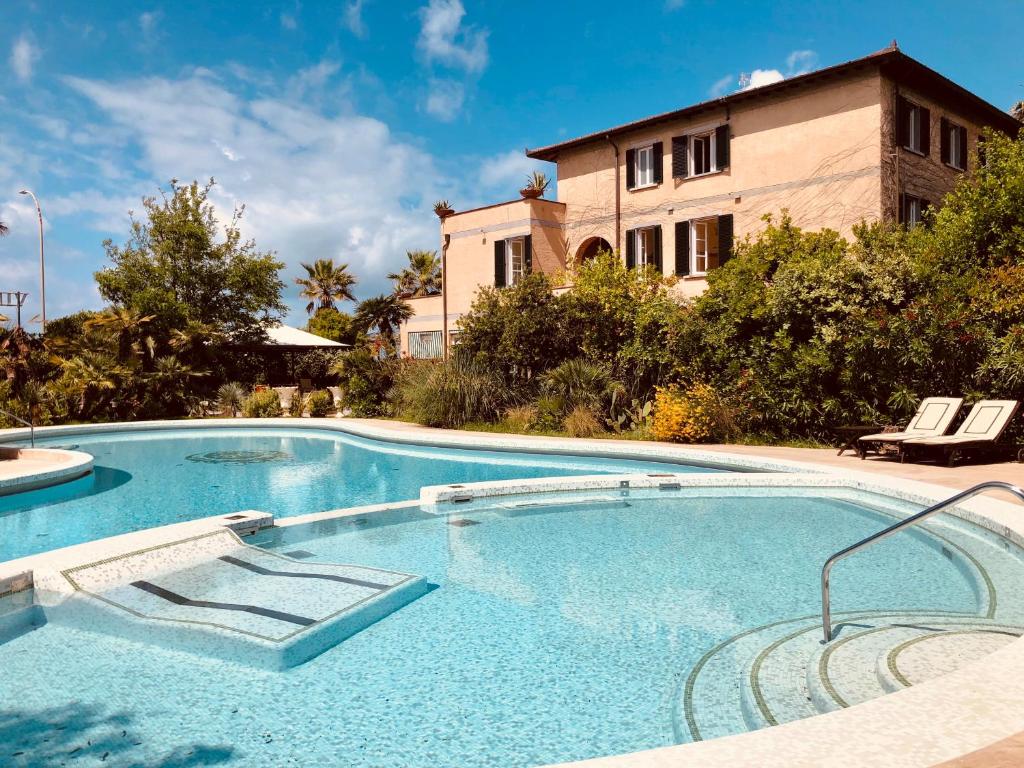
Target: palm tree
[421,278]
[124,325]
[383,313]
[325,284]
[3,229]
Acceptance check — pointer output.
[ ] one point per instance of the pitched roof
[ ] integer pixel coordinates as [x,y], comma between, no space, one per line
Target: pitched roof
[892,61]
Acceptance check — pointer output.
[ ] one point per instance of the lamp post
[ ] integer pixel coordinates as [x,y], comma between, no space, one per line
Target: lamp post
[42,260]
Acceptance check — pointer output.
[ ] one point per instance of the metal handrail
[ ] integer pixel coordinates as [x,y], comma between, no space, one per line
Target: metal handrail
[826,609]
[31,427]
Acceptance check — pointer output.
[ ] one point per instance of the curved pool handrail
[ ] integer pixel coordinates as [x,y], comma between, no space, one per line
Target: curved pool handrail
[29,424]
[826,609]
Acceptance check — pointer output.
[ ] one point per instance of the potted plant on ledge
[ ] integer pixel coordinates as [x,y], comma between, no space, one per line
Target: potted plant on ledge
[443,209]
[536,184]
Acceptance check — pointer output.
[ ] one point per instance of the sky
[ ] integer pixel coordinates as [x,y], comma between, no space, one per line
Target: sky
[338,124]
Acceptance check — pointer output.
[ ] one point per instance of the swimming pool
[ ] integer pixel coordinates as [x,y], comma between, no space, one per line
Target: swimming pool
[553,633]
[144,479]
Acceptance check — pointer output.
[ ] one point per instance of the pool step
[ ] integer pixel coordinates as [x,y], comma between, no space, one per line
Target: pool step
[783,671]
[215,596]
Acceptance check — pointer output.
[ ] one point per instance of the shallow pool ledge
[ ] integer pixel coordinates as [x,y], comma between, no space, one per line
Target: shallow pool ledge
[26,469]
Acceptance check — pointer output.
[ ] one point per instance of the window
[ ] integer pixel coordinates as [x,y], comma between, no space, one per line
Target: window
[644,166]
[645,246]
[425,345]
[516,261]
[953,144]
[702,150]
[913,128]
[704,250]
[912,210]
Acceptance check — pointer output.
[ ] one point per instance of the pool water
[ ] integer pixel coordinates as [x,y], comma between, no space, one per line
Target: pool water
[145,479]
[552,634]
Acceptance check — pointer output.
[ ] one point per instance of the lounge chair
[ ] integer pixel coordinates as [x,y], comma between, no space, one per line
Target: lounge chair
[979,434]
[933,418]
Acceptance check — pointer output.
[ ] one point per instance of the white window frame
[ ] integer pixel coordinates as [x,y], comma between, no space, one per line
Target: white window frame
[642,180]
[512,275]
[711,137]
[695,255]
[914,211]
[913,127]
[954,144]
[644,256]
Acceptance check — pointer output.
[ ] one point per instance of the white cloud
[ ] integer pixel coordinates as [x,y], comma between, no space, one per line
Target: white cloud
[149,26]
[288,21]
[314,185]
[760,77]
[24,55]
[445,99]
[507,172]
[721,86]
[800,62]
[443,38]
[354,18]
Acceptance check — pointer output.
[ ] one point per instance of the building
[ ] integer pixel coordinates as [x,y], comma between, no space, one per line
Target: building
[877,138]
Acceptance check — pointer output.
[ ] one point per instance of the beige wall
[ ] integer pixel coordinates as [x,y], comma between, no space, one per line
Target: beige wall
[815,153]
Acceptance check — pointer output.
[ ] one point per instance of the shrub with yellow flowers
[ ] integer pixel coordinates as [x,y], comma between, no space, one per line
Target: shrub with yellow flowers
[690,415]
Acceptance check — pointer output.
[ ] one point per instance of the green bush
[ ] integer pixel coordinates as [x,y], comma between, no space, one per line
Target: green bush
[365,381]
[449,393]
[550,413]
[319,403]
[261,405]
[297,405]
[230,398]
[579,384]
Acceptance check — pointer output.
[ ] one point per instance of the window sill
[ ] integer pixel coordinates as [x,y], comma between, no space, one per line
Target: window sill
[652,185]
[695,276]
[700,175]
[954,167]
[912,151]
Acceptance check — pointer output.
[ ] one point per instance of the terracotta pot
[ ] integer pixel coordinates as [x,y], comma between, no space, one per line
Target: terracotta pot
[530,193]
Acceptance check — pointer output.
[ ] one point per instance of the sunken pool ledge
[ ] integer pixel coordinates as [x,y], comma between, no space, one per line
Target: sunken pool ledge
[25,469]
[978,705]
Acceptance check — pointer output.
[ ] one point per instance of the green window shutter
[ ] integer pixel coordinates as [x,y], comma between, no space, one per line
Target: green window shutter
[499,263]
[722,147]
[528,254]
[657,249]
[630,168]
[630,248]
[682,248]
[944,155]
[963,148]
[656,155]
[926,131]
[724,238]
[680,167]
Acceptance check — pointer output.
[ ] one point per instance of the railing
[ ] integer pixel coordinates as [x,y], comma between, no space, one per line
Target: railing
[826,609]
[31,427]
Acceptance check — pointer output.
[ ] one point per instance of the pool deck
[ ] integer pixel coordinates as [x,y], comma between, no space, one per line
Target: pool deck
[970,718]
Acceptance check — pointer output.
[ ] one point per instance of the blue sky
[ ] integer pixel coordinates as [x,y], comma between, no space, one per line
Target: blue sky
[339,123]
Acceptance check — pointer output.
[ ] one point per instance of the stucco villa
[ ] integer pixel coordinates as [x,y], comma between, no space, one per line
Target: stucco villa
[878,138]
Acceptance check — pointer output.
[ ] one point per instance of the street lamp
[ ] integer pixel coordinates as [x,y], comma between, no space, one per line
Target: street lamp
[42,260]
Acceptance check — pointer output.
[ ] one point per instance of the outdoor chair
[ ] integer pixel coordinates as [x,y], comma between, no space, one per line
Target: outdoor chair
[933,419]
[978,435]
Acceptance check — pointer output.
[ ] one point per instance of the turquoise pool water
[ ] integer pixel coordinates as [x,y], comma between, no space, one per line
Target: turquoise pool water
[144,479]
[552,634]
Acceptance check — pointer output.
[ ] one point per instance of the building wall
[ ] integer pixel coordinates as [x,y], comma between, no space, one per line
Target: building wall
[815,153]
[910,173]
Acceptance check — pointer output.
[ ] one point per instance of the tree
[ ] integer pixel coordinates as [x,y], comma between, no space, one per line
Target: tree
[334,325]
[421,278]
[3,229]
[125,326]
[1017,110]
[179,265]
[325,284]
[383,313]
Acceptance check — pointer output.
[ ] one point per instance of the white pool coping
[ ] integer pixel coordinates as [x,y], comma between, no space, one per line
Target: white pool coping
[26,469]
[930,723]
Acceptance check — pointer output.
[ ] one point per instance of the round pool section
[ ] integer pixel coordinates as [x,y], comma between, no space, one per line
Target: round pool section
[144,479]
[553,632]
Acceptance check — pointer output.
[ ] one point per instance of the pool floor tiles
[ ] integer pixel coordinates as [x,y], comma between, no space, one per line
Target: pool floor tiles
[216,596]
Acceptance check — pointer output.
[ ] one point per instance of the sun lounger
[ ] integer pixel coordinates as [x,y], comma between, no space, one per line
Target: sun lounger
[933,418]
[979,434]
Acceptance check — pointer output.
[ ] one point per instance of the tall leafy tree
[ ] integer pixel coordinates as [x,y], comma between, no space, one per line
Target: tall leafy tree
[384,314]
[325,284]
[180,264]
[421,278]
